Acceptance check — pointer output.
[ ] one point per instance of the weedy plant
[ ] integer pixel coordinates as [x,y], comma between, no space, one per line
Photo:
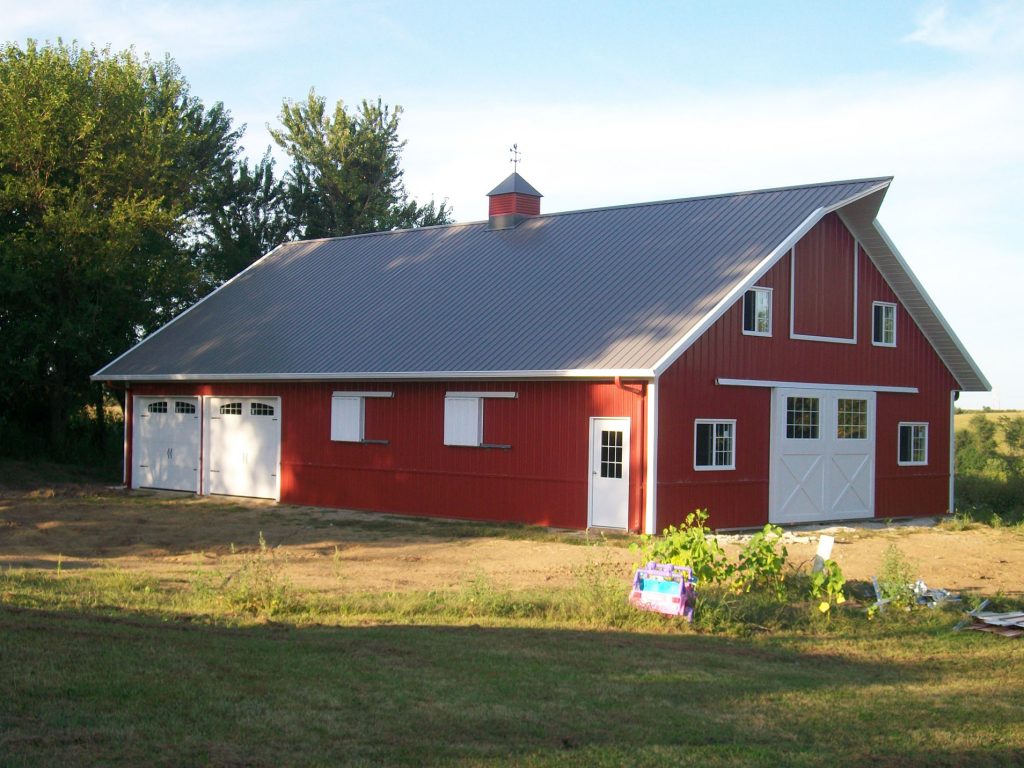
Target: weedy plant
[761,562]
[690,544]
[827,587]
[896,578]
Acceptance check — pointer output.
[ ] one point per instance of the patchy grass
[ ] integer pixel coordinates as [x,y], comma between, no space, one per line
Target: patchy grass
[114,669]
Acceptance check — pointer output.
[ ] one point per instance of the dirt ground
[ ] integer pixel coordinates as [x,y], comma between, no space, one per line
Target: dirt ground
[171,536]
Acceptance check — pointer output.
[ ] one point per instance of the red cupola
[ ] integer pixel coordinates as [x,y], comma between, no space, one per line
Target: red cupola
[512,201]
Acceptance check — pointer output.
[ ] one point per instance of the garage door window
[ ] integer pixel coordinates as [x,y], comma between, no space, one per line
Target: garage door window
[231,409]
[180,407]
[158,407]
[261,409]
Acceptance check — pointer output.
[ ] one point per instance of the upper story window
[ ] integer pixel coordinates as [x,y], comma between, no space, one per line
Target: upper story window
[348,416]
[883,324]
[757,312]
[714,444]
[913,447]
[464,417]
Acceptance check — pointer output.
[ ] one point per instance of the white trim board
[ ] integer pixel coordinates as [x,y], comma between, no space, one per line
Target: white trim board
[371,393]
[810,385]
[578,373]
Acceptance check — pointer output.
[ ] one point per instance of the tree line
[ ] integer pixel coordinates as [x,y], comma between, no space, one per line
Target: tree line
[124,199]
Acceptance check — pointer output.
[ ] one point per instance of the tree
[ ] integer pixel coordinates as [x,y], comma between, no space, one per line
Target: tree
[106,163]
[247,218]
[345,177]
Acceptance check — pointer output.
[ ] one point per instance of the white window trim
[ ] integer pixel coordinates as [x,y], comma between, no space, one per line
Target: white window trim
[714,467]
[894,316]
[792,299]
[479,397]
[361,397]
[899,430]
[771,307]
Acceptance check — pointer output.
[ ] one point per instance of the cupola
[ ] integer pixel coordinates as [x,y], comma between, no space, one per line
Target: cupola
[511,202]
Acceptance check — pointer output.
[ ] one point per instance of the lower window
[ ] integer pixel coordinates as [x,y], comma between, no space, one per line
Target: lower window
[913,443]
[714,444]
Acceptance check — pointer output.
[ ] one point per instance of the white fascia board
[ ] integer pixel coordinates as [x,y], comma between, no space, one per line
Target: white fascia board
[581,373]
[748,282]
[98,376]
[932,306]
[809,385]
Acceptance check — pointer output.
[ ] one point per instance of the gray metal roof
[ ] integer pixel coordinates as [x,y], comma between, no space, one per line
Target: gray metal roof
[596,292]
[515,183]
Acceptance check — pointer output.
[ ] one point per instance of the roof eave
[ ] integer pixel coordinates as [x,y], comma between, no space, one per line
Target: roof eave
[576,373]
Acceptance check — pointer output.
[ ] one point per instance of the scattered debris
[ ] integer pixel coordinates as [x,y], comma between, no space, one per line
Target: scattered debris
[1009,624]
[664,588]
[923,595]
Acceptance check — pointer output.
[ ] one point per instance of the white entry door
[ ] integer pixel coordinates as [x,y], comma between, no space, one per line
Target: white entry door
[243,439]
[165,443]
[609,473]
[823,455]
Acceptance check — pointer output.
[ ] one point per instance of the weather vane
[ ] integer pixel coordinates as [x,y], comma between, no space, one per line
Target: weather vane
[516,155]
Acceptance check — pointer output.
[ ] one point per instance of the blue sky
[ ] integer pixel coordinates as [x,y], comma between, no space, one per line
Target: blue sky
[624,102]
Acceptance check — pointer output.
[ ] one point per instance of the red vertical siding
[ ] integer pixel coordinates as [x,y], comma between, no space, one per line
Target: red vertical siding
[687,391]
[823,278]
[542,478]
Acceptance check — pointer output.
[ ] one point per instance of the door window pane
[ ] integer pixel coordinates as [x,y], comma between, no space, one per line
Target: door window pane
[802,418]
[852,419]
[611,453]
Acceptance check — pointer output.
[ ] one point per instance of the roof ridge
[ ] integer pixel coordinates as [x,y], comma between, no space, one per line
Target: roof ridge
[478,222]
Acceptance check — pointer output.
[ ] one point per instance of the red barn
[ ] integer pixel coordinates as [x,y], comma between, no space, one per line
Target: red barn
[767,355]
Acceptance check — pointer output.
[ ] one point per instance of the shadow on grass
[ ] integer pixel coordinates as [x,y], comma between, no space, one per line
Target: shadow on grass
[83,688]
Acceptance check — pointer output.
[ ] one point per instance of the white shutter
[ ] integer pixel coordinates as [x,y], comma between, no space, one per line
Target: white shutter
[347,419]
[463,421]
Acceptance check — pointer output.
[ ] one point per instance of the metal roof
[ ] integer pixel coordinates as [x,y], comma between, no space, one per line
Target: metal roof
[610,291]
[515,183]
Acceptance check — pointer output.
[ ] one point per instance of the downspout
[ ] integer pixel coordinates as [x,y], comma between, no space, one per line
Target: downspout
[953,395]
[651,483]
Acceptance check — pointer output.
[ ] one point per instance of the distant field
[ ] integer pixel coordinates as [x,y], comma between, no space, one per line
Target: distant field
[961,420]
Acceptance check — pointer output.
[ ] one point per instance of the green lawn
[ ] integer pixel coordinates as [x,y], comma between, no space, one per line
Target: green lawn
[112,669]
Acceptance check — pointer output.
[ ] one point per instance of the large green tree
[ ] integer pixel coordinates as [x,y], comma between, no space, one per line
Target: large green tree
[246,218]
[107,165]
[346,176]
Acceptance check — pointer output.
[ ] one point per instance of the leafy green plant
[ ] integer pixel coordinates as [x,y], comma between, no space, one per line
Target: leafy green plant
[761,562]
[896,578]
[692,544]
[827,587]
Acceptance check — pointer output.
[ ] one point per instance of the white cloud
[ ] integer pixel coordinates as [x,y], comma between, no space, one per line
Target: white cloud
[996,29]
[190,31]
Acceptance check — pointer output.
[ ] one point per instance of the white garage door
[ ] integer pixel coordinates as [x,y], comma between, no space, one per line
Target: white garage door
[166,443]
[823,455]
[243,441]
